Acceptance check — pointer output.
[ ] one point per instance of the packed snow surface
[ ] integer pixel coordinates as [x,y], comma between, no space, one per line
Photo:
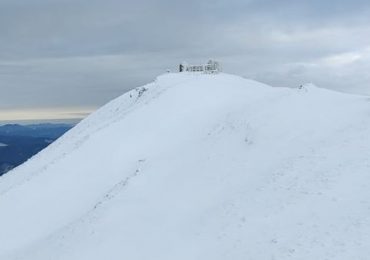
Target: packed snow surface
[197,166]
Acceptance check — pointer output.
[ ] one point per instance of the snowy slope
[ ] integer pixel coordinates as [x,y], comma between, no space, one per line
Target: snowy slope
[199,167]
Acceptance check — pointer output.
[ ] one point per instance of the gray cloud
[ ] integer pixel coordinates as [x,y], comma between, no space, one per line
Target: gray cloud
[82,53]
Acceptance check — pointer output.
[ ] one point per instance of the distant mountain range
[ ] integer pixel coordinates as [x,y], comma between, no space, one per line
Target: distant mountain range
[36,130]
[20,142]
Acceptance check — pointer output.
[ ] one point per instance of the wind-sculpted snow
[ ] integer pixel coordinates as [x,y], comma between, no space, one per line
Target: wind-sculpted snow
[198,166]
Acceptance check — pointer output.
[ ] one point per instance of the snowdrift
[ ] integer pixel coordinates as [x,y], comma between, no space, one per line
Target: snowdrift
[199,167]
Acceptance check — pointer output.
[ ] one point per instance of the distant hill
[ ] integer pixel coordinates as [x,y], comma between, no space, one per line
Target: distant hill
[20,142]
[35,130]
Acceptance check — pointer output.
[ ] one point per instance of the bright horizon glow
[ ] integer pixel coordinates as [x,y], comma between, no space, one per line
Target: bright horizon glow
[45,114]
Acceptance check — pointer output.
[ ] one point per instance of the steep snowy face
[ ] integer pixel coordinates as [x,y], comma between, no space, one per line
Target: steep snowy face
[199,167]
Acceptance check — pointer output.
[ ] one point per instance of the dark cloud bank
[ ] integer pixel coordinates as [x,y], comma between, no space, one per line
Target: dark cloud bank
[82,53]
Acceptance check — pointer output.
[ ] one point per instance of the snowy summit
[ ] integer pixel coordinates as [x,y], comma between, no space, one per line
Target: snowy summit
[199,166]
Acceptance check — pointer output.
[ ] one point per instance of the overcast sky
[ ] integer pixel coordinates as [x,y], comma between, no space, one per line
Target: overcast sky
[64,58]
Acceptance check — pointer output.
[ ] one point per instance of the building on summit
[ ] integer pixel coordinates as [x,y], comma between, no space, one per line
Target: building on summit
[211,67]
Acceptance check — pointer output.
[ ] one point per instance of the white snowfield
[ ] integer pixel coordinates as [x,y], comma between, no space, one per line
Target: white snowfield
[199,167]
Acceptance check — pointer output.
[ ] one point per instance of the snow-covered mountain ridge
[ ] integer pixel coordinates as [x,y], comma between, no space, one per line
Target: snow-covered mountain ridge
[199,167]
